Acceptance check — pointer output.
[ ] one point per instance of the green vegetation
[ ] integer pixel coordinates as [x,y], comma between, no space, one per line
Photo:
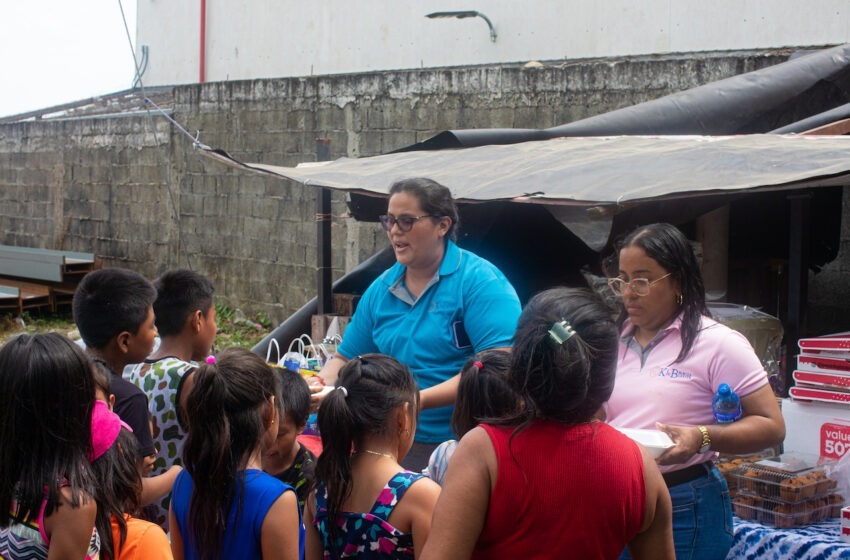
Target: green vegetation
[237,329]
[60,322]
[234,327]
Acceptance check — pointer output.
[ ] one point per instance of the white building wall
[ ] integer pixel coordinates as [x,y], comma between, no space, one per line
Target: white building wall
[276,38]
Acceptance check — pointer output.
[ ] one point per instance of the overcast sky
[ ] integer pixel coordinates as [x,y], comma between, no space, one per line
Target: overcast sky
[56,51]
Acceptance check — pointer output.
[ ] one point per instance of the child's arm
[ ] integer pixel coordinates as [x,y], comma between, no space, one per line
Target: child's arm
[314,550]
[462,507]
[421,497]
[157,487]
[655,539]
[280,530]
[176,537]
[70,528]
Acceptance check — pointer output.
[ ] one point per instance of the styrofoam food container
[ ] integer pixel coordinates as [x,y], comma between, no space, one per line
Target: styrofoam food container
[655,441]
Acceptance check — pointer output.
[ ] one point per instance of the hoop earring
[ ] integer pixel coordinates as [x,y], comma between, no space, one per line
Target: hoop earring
[680,299]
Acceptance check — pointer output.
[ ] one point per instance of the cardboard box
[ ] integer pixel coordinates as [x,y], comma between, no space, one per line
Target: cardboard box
[319,325]
[345,304]
[818,428]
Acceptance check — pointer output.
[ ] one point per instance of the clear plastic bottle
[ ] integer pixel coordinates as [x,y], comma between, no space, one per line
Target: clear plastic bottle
[726,405]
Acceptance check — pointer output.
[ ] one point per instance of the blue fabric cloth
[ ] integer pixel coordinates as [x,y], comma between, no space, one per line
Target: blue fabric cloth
[471,296]
[754,541]
[242,537]
[702,518]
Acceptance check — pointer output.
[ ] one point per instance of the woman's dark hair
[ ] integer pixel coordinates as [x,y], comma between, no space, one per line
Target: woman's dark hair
[564,382]
[228,417]
[46,401]
[670,248]
[484,393]
[434,198]
[119,487]
[374,386]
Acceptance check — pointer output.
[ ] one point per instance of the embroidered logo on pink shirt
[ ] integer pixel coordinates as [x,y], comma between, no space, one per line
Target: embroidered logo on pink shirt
[674,373]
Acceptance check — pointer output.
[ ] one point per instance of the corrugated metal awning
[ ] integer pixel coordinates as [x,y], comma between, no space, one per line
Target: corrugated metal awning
[592,171]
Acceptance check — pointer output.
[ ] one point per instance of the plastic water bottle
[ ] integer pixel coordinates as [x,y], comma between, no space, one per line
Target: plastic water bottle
[726,405]
[312,427]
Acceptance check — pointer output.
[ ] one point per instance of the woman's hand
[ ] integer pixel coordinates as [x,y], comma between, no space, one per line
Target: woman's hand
[316,384]
[688,440]
[327,376]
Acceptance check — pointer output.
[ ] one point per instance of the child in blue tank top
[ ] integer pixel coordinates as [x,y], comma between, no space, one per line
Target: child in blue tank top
[223,505]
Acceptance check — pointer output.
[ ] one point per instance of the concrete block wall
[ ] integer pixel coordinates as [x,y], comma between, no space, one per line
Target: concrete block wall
[135,192]
[95,185]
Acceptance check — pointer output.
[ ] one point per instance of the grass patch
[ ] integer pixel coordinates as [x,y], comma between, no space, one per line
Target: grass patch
[234,327]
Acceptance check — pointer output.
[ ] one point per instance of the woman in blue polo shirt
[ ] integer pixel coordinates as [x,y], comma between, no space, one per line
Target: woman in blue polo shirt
[432,310]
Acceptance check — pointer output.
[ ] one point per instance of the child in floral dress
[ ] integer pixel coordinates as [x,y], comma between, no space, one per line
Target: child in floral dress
[365,504]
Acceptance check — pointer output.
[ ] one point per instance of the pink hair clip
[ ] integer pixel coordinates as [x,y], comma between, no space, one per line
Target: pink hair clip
[210,359]
[479,365]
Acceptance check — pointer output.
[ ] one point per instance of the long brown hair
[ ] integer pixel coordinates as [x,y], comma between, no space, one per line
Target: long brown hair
[226,409]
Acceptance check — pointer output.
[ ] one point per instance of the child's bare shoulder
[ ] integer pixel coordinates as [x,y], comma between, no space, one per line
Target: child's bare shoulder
[422,495]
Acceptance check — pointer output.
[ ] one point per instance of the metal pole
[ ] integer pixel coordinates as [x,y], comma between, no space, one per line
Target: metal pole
[798,279]
[324,289]
[713,233]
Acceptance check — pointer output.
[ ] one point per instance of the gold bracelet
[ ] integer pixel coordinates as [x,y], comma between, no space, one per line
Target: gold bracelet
[706,439]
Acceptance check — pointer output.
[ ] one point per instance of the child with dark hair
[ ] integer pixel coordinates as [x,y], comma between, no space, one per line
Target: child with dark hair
[508,476]
[483,394]
[286,459]
[103,383]
[46,485]
[365,504]
[224,505]
[113,310]
[115,466]
[186,322]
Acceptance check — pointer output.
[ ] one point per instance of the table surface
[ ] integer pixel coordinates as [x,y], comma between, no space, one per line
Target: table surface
[819,541]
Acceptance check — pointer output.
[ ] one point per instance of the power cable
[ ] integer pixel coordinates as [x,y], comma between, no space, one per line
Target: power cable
[152,128]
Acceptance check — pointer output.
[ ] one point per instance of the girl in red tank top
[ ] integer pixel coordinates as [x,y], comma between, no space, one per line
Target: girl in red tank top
[552,481]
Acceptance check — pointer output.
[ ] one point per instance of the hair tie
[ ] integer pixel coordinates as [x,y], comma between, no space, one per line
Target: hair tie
[344,391]
[560,332]
[210,359]
[479,365]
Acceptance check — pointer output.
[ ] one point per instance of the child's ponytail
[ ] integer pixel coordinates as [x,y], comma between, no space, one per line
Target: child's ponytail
[336,424]
[369,388]
[484,392]
[227,419]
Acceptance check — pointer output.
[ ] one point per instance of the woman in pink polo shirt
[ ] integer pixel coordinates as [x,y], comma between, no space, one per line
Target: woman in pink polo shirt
[672,358]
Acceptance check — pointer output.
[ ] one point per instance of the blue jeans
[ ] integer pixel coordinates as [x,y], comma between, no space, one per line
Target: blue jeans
[702,518]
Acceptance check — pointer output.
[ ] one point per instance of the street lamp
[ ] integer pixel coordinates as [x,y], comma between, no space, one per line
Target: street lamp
[465,14]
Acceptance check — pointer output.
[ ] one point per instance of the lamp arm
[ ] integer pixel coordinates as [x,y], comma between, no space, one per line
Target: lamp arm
[489,24]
